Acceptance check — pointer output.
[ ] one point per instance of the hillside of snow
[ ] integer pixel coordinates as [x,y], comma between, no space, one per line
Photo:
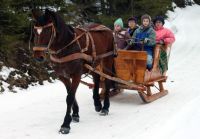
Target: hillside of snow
[38,112]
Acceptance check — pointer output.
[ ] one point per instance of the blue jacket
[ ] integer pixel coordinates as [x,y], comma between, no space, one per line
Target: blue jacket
[142,33]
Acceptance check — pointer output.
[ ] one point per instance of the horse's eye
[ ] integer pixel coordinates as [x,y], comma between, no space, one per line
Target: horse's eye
[39,30]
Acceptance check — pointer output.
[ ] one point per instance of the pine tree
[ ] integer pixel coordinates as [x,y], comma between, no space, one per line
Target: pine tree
[180,3]
[197,1]
[109,10]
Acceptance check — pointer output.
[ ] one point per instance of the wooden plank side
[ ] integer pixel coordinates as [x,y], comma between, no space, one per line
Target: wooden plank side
[131,65]
[122,69]
[128,54]
[140,70]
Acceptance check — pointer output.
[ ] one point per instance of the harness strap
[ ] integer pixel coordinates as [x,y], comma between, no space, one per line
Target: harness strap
[60,50]
[73,41]
[87,40]
[93,46]
[100,28]
[53,35]
[39,48]
[105,55]
[130,84]
[78,56]
[71,57]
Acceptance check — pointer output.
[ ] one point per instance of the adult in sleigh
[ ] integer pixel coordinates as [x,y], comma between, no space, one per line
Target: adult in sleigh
[147,63]
[155,41]
[165,38]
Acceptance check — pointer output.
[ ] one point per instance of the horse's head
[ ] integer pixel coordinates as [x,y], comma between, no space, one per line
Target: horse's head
[50,32]
[44,33]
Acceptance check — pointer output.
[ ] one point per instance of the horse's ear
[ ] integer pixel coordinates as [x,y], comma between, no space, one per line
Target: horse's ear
[36,14]
[50,16]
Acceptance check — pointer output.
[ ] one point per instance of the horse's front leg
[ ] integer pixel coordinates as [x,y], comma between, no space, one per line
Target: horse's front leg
[75,115]
[96,97]
[106,105]
[71,90]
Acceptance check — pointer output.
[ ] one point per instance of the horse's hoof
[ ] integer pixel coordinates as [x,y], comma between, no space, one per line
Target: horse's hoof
[64,130]
[104,112]
[75,119]
[98,108]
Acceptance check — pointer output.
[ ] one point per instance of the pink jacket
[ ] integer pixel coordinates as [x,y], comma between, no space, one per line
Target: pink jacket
[164,34]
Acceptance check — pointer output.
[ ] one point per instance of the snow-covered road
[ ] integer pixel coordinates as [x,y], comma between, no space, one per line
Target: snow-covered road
[37,113]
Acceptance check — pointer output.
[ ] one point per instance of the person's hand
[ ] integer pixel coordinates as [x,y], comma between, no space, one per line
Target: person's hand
[146,40]
[130,41]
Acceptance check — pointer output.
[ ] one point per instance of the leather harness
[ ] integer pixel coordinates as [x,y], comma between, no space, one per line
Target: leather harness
[74,56]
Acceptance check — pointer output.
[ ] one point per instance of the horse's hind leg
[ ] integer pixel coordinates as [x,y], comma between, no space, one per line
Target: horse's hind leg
[108,65]
[75,115]
[71,90]
[96,97]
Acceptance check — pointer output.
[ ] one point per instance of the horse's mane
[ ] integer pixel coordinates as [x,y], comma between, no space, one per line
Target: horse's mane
[66,31]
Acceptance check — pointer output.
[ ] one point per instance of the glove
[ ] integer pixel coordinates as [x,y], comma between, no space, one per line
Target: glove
[130,42]
[161,42]
[146,40]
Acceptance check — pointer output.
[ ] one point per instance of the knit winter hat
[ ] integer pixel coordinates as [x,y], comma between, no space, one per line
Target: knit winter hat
[132,19]
[159,18]
[146,16]
[119,22]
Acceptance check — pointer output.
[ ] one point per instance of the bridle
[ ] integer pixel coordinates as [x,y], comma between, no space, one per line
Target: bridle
[45,48]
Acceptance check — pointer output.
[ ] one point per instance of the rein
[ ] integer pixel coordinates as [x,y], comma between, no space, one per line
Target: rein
[81,55]
[88,39]
[73,41]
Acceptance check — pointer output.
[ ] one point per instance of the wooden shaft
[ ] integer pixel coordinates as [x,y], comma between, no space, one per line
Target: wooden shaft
[90,85]
[131,85]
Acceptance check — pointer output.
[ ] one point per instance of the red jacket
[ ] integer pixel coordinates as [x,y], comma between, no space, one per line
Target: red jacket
[164,34]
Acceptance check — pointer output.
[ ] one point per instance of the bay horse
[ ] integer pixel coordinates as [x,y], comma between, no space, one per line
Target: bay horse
[69,50]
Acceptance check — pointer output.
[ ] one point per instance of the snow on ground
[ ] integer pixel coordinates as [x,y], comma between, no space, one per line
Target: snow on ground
[5,72]
[37,113]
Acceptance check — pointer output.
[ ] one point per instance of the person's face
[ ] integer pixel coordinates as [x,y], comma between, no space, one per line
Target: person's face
[131,23]
[117,28]
[145,22]
[158,24]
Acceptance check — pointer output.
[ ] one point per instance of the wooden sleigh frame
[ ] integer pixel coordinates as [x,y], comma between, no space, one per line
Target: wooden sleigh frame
[132,74]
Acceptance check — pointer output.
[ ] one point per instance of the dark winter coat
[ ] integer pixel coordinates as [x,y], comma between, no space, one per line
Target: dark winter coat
[140,34]
[131,31]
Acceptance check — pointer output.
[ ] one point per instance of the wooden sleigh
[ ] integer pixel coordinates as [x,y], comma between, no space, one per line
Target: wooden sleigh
[131,66]
[131,73]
